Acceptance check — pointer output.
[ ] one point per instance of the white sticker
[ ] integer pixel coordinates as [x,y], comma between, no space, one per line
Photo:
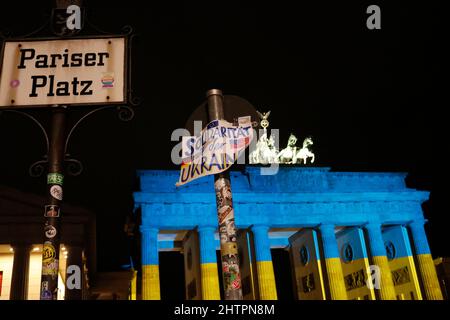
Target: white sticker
[50,231]
[242,121]
[56,192]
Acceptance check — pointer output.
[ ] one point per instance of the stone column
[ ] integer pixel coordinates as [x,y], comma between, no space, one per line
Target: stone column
[150,264]
[264,266]
[19,278]
[333,263]
[379,258]
[425,262]
[208,263]
[74,273]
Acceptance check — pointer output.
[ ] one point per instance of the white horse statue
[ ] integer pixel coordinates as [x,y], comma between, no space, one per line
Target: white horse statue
[291,154]
[265,151]
[287,155]
[304,152]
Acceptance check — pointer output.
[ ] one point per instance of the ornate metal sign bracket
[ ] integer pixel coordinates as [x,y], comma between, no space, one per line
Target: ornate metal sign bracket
[55,24]
[74,167]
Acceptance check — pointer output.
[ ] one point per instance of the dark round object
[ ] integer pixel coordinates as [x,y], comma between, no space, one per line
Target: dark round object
[304,255]
[390,250]
[347,253]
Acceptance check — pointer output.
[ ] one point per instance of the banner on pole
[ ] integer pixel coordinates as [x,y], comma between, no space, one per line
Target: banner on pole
[217,147]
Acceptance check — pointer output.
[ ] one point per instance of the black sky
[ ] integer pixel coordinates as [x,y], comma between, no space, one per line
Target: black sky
[372,99]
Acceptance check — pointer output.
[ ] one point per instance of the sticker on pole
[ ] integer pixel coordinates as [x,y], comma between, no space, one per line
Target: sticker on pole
[56,192]
[55,178]
[217,147]
[51,211]
[50,231]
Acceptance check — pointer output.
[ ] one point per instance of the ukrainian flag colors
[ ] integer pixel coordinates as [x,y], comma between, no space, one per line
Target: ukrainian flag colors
[335,279]
[355,263]
[266,277]
[429,277]
[150,282]
[150,264]
[266,280]
[305,258]
[387,290]
[401,263]
[346,261]
[333,263]
[208,264]
[425,265]
[210,281]
[378,253]
[133,285]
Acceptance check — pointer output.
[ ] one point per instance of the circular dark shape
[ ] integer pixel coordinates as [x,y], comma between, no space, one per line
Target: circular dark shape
[125,113]
[304,255]
[12,101]
[233,108]
[74,167]
[347,253]
[390,250]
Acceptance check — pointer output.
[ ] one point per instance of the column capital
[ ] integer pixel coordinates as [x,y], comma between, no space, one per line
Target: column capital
[21,245]
[206,228]
[148,229]
[417,223]
[327,227]
[260,227]
[373,226]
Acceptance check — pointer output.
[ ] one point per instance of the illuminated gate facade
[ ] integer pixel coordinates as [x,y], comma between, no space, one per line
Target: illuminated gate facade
[339,228]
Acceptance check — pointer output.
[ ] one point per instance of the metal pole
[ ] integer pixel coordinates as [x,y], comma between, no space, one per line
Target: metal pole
[227,229]
[55,179]
[52,212]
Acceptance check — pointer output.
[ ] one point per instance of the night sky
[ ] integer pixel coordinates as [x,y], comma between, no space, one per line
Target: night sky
[373,100]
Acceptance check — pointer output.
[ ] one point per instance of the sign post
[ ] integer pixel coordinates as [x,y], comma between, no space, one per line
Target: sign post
[52,211]
[227,229]
[59,73]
